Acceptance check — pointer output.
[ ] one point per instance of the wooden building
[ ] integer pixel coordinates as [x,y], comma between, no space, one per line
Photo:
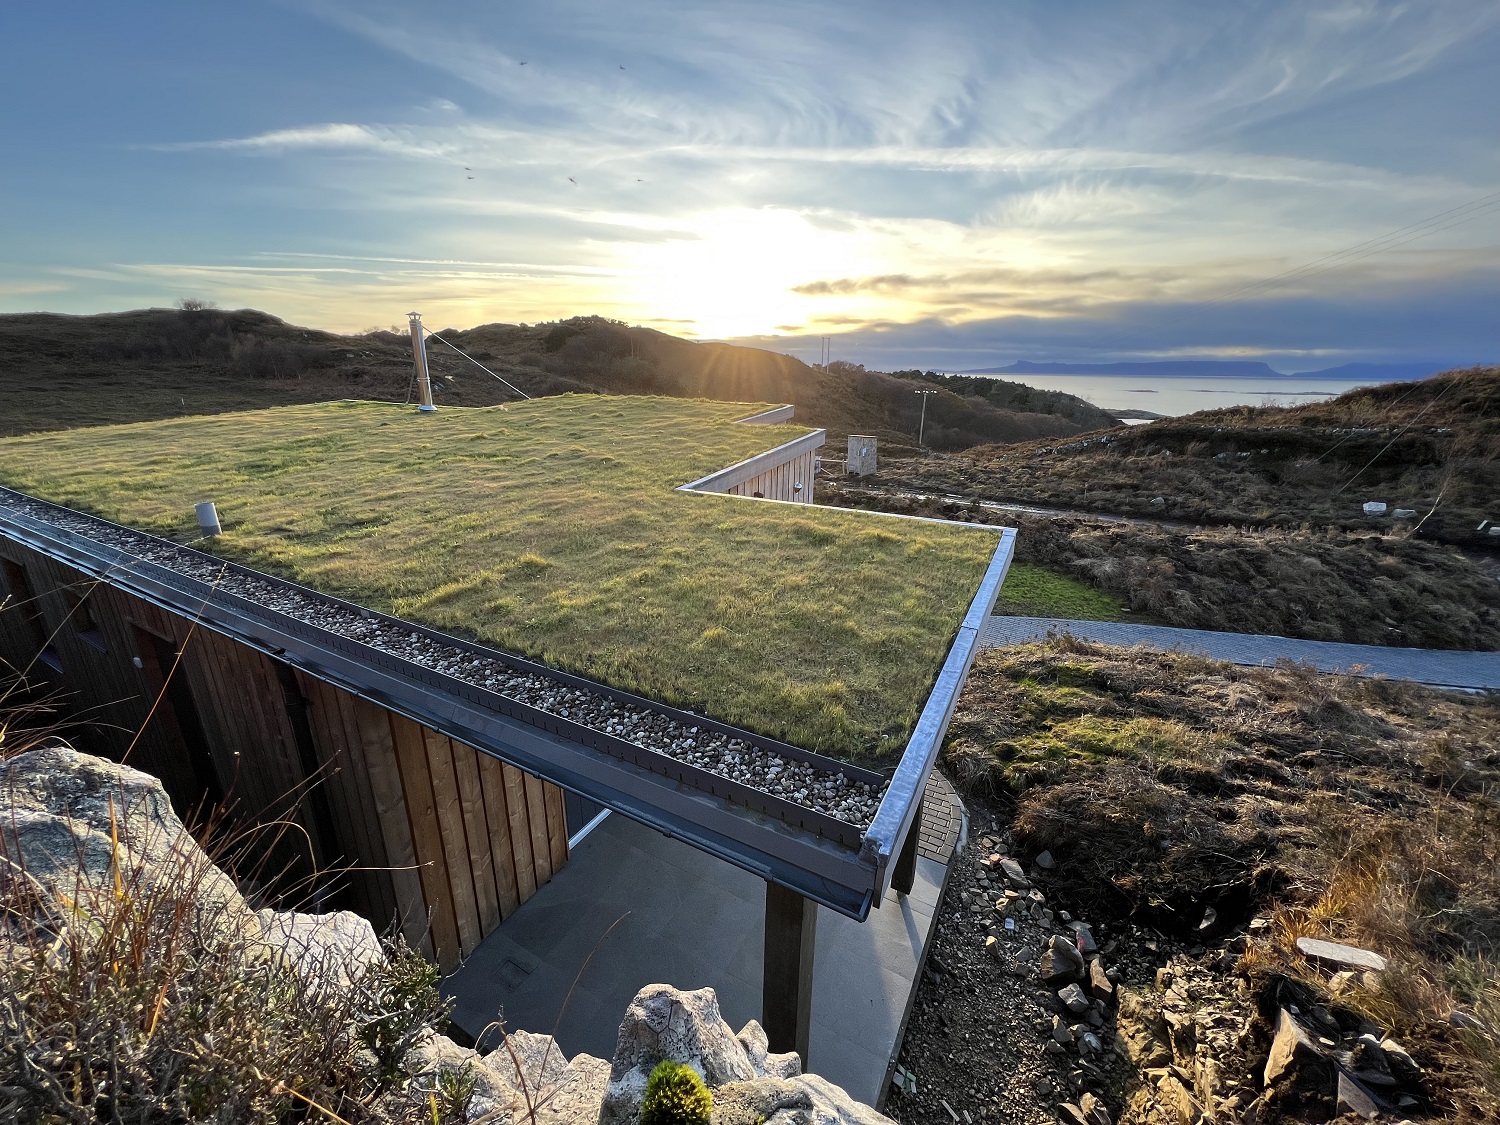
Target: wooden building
[438,806]
[415,825]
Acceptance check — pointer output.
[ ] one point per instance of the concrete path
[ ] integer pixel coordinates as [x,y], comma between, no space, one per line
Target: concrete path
[692,920]
[1473,670]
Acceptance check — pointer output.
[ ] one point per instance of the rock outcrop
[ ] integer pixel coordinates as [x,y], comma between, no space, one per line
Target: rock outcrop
[75,830]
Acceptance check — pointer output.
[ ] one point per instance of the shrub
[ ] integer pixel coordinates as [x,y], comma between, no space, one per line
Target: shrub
[676,1095]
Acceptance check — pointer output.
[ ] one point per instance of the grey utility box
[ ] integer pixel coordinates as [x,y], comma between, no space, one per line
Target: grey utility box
[861,456]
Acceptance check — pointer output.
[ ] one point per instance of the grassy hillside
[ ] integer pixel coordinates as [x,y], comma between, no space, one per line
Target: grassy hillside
[1432,447]
[58,372]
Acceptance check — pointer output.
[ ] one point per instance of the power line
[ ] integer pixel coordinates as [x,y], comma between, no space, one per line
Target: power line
[477,364]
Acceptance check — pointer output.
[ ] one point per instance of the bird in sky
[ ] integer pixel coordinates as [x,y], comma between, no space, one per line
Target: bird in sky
[572,181]
[523,62]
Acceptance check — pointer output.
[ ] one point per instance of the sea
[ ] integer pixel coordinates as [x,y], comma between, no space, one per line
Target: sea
[1171,396]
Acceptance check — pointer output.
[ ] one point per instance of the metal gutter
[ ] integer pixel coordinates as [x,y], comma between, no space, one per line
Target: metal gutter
[903,797]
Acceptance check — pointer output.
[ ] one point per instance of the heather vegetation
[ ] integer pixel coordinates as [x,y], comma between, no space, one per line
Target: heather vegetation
[1324,584]
[1431,448]
[1191,796]
[64,371]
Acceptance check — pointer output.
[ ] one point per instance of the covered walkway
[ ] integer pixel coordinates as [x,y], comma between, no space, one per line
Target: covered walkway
[682,917]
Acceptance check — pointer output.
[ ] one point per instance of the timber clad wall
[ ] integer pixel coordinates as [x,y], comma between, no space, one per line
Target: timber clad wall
[427,827]
[780,483]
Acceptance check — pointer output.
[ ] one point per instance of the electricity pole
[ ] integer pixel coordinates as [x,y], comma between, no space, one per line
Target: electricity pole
[922,425]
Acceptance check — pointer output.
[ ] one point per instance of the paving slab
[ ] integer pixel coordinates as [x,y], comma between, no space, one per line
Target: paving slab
[684,918]
[1474,671]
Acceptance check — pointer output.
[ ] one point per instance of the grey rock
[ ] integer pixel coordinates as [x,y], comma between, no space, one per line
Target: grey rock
[1045,861]
[58,807]
[1084,938]
[752,1037]
[1061,1032]
[1074,998]
[1346,956]
[758,1101]
[1012,871]
[831,1105]
[1354,1098]
[1294,1051]
[663,1022]
[1057,969]
[1094,1110]
[325,950]
[1100,986]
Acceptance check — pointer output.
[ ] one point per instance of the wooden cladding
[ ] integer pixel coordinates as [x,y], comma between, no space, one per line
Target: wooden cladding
[780,483]
[422,833]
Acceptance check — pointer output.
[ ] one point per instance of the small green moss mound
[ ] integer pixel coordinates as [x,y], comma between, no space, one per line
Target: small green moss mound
[675,1095]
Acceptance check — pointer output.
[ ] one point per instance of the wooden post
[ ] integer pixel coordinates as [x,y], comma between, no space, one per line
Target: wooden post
[905,875]
[787,979]
[419,357]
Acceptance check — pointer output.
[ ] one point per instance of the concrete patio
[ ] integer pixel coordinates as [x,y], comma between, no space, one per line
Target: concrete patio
[682,917]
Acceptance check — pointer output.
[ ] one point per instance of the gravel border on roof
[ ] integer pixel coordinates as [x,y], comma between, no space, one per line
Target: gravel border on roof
[834,794]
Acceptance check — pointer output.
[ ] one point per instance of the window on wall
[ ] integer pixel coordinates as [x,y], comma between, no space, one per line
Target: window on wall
[82,619]
[23,601]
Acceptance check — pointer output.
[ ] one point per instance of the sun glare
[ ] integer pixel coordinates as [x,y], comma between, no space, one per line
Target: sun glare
[737,278]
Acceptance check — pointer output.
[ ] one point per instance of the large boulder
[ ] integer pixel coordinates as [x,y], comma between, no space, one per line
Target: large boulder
[84,832]
[663,1022]
[324,950]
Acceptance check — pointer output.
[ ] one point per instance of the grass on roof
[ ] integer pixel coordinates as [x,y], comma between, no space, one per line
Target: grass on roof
[551,529]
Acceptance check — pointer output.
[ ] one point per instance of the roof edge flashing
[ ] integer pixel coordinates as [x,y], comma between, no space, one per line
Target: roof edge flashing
[903,796]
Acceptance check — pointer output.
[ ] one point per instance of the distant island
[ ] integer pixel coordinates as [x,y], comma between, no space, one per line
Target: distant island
[1219,369]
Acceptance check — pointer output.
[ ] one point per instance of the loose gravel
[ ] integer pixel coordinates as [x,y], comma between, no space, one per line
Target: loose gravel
[740,760]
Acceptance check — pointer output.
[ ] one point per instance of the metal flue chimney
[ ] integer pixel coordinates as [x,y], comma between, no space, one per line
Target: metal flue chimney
[419,357]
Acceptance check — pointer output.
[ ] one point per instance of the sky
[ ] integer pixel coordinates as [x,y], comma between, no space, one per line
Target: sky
[952,186]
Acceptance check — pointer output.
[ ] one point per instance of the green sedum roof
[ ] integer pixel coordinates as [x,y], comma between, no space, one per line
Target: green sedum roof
[552,529]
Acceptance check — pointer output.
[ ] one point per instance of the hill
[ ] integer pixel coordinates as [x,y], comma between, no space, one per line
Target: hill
[1428,447]
[1216,369]
[60,371]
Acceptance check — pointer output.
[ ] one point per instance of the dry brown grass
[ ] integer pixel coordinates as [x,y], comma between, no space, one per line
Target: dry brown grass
[1433,447]
[1362,811]
[1322,585]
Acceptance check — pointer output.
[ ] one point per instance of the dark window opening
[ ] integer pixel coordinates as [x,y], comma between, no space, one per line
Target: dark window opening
[24,601]
[179,711]
[82,619]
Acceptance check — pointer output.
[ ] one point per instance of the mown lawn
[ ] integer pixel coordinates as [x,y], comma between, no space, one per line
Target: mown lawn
[1035,591]
[551,528]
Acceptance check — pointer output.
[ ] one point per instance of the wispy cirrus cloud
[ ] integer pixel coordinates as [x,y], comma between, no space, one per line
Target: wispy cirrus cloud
[791,165]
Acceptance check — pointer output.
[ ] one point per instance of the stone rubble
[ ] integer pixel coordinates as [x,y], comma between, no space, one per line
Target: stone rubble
[79,823]
[801,783]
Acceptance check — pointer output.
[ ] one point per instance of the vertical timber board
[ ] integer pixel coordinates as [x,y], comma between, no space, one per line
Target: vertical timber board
[497,814]
[333,759]
[557,825]
[477,829]
[395,823]
[450,823]
[339,782]
[369,837]
[520,831]
[427,840]
[536,817]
